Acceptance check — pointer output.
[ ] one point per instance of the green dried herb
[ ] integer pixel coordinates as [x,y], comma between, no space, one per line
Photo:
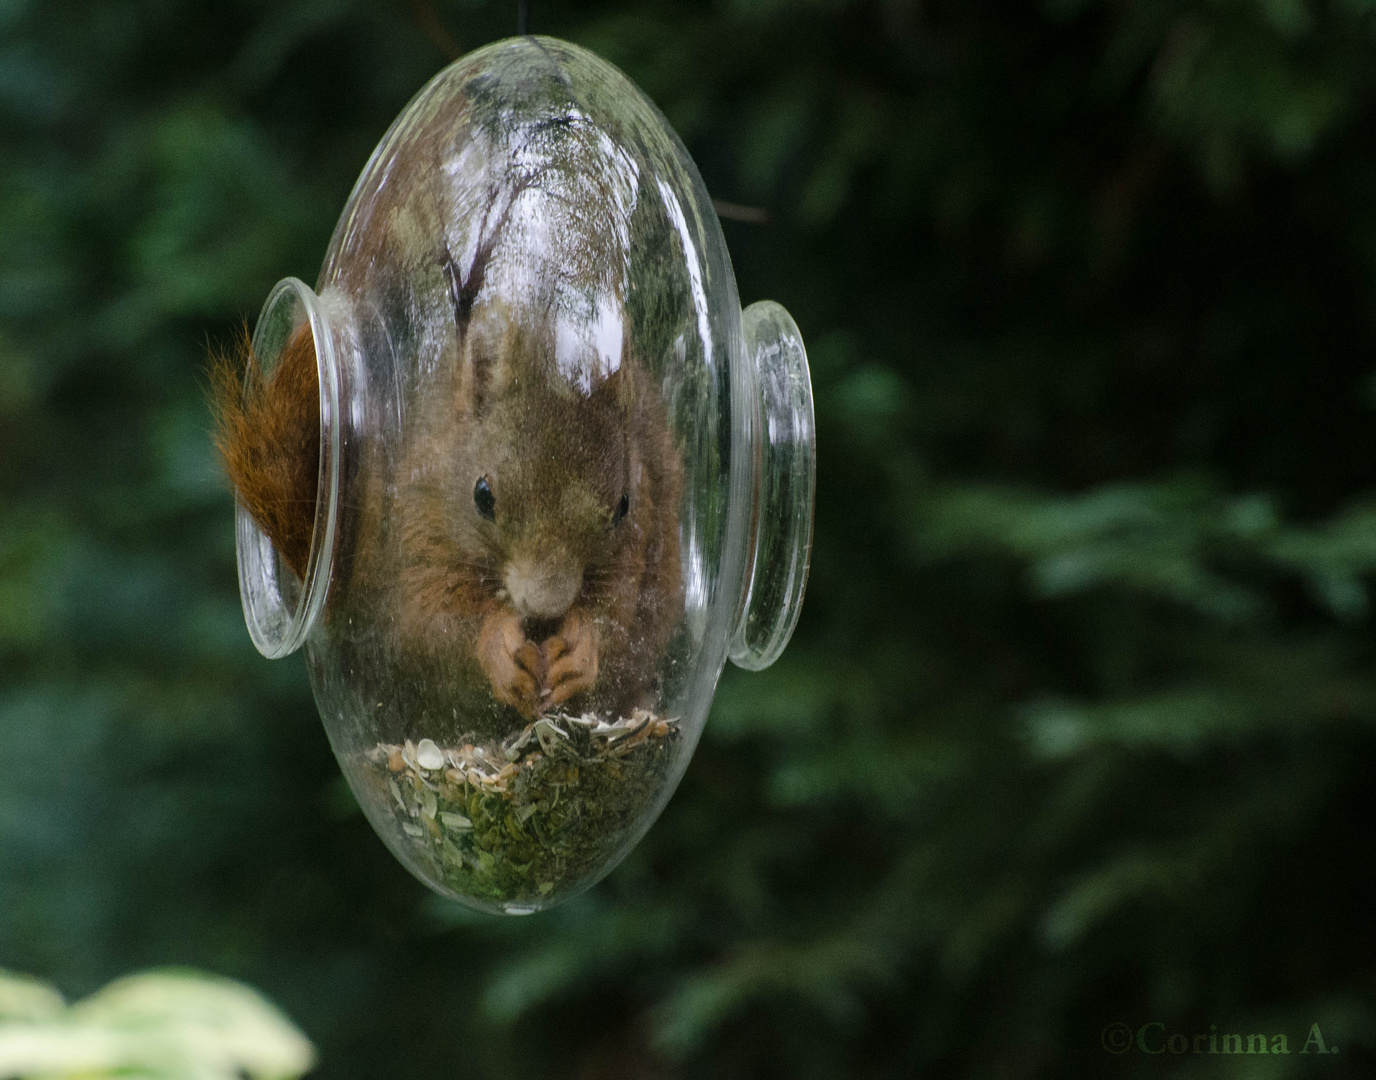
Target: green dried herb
[517,821]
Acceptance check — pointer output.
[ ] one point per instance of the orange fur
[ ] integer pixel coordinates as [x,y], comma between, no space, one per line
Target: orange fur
[268,436]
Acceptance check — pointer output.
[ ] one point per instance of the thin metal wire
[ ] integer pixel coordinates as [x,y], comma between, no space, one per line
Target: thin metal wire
[522,17]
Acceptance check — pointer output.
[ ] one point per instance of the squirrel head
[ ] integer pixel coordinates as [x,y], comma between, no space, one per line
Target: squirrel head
[543,486]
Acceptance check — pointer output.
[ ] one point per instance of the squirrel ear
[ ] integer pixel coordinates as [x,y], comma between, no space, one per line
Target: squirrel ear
[618,388]
[487,350]
[620,384]
[471,377]
[627,372]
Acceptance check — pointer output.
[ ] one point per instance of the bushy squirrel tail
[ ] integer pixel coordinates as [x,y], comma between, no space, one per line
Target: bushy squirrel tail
[267,432]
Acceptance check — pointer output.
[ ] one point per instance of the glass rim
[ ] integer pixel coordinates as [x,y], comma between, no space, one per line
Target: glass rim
[277,632]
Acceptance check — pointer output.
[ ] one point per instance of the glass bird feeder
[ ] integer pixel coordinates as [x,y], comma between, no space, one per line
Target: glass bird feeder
[560,477]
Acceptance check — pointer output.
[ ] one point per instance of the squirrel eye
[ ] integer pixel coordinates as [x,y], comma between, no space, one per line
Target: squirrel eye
[483,499]
[621,508]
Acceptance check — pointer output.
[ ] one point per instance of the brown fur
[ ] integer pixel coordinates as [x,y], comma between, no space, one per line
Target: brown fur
[558,463]
[449,602]
[268,436]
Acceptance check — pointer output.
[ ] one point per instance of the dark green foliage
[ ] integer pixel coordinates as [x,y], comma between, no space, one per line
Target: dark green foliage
[1076,724]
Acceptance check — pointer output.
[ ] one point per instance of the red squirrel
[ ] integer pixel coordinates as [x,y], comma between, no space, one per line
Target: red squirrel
[535,519]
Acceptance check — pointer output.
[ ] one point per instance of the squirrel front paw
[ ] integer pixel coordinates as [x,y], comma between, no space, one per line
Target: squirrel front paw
[514,666]
[572,658]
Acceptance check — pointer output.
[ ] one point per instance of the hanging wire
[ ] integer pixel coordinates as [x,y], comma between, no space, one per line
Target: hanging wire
[522,17]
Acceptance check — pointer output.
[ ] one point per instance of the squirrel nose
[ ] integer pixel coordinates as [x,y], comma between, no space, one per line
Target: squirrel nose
[543,588]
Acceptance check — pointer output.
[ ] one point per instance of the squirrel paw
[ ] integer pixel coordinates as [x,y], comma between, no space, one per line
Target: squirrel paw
[512,664]
[572,658]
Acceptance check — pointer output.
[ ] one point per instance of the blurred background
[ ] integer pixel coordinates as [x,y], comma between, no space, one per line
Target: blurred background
[1078,724]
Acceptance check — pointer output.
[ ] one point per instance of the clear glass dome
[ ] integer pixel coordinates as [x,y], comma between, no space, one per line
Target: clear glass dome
[560,476]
